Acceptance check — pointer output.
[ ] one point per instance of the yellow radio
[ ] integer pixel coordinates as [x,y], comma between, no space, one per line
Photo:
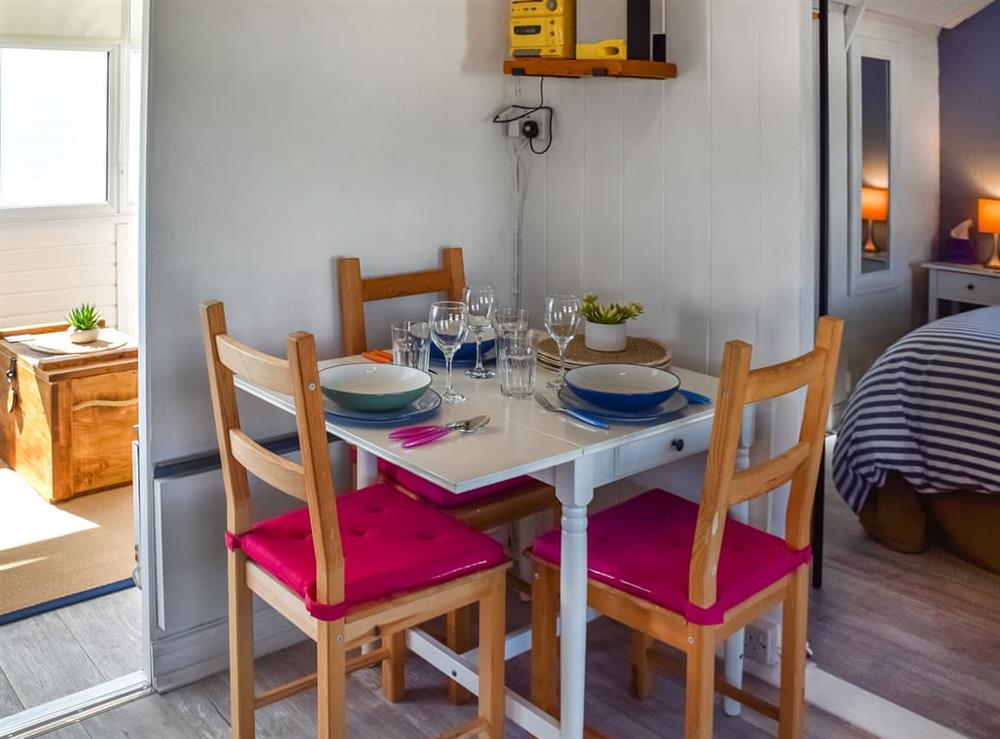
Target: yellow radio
[543,28]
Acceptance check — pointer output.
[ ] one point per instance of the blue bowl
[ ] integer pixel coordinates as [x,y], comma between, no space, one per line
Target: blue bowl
[467,352]
[623,387]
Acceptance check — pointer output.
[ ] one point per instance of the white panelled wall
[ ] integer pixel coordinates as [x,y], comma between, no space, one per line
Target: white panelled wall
[694,196]
[47,267]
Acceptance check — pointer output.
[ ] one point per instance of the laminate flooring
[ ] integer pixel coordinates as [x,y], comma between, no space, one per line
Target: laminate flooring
[61,652]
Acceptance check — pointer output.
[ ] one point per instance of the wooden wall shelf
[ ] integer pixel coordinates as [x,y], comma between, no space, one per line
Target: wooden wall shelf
[634,68]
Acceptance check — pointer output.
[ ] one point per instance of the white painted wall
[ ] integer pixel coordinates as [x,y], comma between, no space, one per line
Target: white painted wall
[281,136]
[694,196]
[876,319]
[279,140]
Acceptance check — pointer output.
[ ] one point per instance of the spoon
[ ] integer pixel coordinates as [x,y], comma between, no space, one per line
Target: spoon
[420,435]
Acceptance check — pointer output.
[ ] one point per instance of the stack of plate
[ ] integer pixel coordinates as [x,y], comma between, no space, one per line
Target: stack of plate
[639,350]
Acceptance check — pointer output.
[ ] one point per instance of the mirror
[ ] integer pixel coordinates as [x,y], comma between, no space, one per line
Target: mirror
[875,153]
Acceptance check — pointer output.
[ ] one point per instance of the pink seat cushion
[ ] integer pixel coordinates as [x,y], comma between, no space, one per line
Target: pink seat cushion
[392,544]
[438,495]
[643,547]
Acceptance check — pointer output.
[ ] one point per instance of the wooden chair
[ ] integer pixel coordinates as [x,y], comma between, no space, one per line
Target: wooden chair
[483,509]
[683,574]
[345,571]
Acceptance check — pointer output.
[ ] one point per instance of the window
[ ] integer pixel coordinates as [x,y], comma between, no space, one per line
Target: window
[53,127]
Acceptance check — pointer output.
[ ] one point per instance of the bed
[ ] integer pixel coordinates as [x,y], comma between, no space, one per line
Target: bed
[918,450]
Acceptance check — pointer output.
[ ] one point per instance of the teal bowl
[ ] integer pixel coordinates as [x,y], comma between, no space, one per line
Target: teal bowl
[373,387]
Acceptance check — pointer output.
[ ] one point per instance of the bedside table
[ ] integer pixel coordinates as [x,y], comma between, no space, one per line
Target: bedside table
[960,283]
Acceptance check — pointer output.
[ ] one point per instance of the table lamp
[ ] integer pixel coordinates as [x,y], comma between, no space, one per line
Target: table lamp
[989,223]
[874,207]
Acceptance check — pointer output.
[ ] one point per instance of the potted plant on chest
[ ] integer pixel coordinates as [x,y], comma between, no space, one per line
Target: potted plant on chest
[84,323]
[605,330]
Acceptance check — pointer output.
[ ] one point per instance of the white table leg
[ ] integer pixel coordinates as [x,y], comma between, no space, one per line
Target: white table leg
[575,490]
[735,643]
[367,466]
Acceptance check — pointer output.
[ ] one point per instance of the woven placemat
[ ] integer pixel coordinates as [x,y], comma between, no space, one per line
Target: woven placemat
[638,350]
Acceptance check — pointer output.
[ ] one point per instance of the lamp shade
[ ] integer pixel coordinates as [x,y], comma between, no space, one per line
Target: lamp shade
[875,204]
[989,216]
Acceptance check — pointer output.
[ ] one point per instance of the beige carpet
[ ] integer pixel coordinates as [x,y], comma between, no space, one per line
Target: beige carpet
[50,551]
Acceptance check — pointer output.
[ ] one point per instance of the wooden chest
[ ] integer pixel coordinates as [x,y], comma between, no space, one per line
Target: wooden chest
[71,426]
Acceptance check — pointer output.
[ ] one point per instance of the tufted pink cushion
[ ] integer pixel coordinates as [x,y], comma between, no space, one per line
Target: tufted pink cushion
[438,495]
[643,547]
[392,544]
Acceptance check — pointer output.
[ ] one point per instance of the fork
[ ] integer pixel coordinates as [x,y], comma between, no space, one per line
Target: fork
[578,415]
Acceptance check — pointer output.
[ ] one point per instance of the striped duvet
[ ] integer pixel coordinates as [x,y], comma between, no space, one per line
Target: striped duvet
[929,408]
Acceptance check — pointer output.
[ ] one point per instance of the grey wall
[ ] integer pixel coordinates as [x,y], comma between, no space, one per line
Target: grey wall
[281,135]
[970,117]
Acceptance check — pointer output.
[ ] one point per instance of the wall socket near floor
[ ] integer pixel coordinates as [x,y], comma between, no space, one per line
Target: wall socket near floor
[762,642]
[516,129]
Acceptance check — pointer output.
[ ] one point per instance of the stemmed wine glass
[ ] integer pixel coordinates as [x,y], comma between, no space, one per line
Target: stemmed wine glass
[562,319]
[449,320]
[480,302]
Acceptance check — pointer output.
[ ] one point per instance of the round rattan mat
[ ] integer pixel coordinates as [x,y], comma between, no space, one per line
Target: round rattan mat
[638,350]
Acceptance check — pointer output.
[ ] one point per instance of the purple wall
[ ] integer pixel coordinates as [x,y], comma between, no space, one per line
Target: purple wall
[969,89]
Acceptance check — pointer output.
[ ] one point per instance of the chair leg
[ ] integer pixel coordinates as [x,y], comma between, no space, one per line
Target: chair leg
[394,667]
[492,634]
[700,688]
[793,655]
[642,672]
[459,639]
[544,642]
[241,668]
[331,678]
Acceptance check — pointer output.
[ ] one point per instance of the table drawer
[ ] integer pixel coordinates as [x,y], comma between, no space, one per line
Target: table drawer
[645,454]
[981,289]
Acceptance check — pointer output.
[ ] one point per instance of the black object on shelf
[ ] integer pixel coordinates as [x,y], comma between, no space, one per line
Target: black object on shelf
[637,29]
[659,47]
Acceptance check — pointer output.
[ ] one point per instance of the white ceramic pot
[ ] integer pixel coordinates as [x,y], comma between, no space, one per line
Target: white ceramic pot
[84,337]
[605,337]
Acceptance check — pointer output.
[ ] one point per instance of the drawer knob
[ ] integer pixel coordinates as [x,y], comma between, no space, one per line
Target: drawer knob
[970,286]
[678,444]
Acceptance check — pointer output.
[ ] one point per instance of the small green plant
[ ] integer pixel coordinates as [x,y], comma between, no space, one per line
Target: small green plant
[85,317]
[608,313]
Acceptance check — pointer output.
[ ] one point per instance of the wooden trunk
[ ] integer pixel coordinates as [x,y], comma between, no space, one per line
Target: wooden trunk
[71,427]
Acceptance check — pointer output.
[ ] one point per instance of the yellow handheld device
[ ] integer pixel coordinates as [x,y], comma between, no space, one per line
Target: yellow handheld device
[543,28]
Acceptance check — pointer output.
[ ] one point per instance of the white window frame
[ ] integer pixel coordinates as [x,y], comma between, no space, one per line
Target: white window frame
[115,159]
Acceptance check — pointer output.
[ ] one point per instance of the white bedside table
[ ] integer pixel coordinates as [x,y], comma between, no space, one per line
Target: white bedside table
[961,283]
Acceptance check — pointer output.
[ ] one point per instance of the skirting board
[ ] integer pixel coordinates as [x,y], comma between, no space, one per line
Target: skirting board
[189,656]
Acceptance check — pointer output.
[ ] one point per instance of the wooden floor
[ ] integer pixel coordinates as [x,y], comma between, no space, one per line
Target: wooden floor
[920,630]
[202,710]
[60,652]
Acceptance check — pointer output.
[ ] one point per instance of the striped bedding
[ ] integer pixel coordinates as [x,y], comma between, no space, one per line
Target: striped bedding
[928,408]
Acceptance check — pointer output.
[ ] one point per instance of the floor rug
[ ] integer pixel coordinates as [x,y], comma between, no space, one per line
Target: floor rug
[49,552]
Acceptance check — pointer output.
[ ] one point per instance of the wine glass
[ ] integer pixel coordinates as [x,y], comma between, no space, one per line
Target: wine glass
[562,319]
[449,320]
[480,302]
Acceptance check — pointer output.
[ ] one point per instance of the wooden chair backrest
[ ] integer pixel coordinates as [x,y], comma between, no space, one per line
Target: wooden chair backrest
[725,486]
[356,290]
[311,481]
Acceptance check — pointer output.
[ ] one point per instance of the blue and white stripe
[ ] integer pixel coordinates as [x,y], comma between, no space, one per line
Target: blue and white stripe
[929,408]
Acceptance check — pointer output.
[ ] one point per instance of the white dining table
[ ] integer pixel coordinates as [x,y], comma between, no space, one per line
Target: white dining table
[577,459]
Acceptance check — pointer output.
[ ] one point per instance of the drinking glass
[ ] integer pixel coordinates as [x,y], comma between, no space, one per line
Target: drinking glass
[411,344]
[449,320]
[562,319]
[516,368]
[480,301]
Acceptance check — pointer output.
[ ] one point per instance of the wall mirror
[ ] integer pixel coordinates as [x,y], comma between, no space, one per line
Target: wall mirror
[873,253]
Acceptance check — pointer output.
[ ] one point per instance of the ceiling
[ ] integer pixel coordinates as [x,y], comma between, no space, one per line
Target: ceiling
[941,13]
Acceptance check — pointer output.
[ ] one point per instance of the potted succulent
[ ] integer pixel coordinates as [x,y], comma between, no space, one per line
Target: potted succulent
[605,330]
[84,323]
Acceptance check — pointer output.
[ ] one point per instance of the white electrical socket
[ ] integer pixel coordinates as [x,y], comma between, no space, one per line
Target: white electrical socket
[761,642]
[541,117]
